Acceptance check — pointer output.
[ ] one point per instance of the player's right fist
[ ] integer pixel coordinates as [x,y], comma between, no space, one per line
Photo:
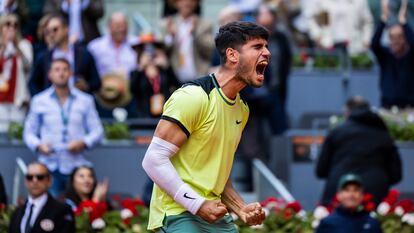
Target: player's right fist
[212,211]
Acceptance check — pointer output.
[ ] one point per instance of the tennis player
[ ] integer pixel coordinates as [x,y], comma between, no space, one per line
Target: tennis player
[191,154]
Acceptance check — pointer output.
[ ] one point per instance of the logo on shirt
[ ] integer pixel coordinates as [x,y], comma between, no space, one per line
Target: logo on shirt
[238,122]
[186,196]
[47,225]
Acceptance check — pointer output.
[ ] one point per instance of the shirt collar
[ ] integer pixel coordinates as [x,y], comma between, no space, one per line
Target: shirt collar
[39,201]
[72,92]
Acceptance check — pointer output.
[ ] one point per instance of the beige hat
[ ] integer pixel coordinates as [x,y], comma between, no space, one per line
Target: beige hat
[114,91]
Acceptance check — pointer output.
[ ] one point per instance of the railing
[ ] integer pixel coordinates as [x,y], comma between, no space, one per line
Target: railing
[266,183]
[20,171]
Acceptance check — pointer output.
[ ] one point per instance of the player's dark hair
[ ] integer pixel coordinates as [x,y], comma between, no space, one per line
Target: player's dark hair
[236,34]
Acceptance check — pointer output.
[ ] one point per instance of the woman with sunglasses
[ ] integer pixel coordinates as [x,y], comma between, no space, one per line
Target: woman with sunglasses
[16,58]
[85,192]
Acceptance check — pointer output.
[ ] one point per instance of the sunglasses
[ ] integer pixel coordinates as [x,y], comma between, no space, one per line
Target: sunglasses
[11,24]
[39,177]
[52,30]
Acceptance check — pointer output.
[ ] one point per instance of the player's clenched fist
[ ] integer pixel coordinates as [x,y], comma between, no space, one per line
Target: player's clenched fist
[252,214]
[211,211]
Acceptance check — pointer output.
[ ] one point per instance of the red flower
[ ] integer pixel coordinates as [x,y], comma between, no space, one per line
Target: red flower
[271,200]
[132,204]
[2,206]
[370,206]
[126,221]
[95,209]
[392,197]
[295,206]
[288,214]
[368,197]
[407,205]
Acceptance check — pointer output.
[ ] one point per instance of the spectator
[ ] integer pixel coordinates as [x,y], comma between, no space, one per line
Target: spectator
[16,57]
[190,41]
[361,145]
[343,24]
[83,16]
[115,93]
[41,213]
[113,52]
[247,7]
[3,195]
[44,40]
[170,8]
[61,125]
[278,71]
[83,186]
[85,75]
[227,15]
[13,7]
[153,82]
[350,216]
[395,5]
[396,62]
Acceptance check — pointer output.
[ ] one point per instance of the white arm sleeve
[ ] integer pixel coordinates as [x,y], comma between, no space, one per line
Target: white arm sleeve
[159,168]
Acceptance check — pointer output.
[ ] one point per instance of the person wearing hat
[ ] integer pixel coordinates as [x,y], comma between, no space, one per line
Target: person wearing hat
[350,216]
[153,82]
[115,93]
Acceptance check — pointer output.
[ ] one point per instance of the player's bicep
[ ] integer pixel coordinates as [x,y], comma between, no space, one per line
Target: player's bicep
[170,132]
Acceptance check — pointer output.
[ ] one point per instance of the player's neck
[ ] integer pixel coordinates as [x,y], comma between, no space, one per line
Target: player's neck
[229,83]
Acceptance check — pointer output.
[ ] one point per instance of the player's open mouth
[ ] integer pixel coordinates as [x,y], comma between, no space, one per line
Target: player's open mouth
[261,67]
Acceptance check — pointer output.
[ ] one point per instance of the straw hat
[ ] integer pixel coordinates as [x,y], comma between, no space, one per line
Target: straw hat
[114,91]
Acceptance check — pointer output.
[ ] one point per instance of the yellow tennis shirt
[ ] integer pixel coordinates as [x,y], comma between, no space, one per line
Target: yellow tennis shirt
[213,124]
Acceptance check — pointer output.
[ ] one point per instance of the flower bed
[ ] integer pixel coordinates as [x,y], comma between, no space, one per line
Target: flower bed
[400,123]
[131,216]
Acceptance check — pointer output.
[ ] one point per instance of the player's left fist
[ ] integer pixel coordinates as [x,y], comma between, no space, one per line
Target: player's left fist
[252,214]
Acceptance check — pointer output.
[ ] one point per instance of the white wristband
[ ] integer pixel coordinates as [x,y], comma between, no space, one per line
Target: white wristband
[189,198]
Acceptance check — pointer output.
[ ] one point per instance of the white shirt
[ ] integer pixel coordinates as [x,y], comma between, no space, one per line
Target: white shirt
[45,124]
[187,71]
[109,58]
[38,204]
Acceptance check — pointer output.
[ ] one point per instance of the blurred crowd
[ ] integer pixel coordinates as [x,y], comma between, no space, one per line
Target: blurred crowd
[137,73]
[61,76]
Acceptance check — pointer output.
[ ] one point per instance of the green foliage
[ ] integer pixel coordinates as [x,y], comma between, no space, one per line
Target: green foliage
[391,223]
[116,131]
[401,132]
[400,124]
[15,131]
[298,61]
[326,62]
[361,61]
[5,214]
[82,223]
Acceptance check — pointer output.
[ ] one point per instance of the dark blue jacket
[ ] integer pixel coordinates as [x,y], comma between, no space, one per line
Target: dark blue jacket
[343,221]
[397,73]
[84,68]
